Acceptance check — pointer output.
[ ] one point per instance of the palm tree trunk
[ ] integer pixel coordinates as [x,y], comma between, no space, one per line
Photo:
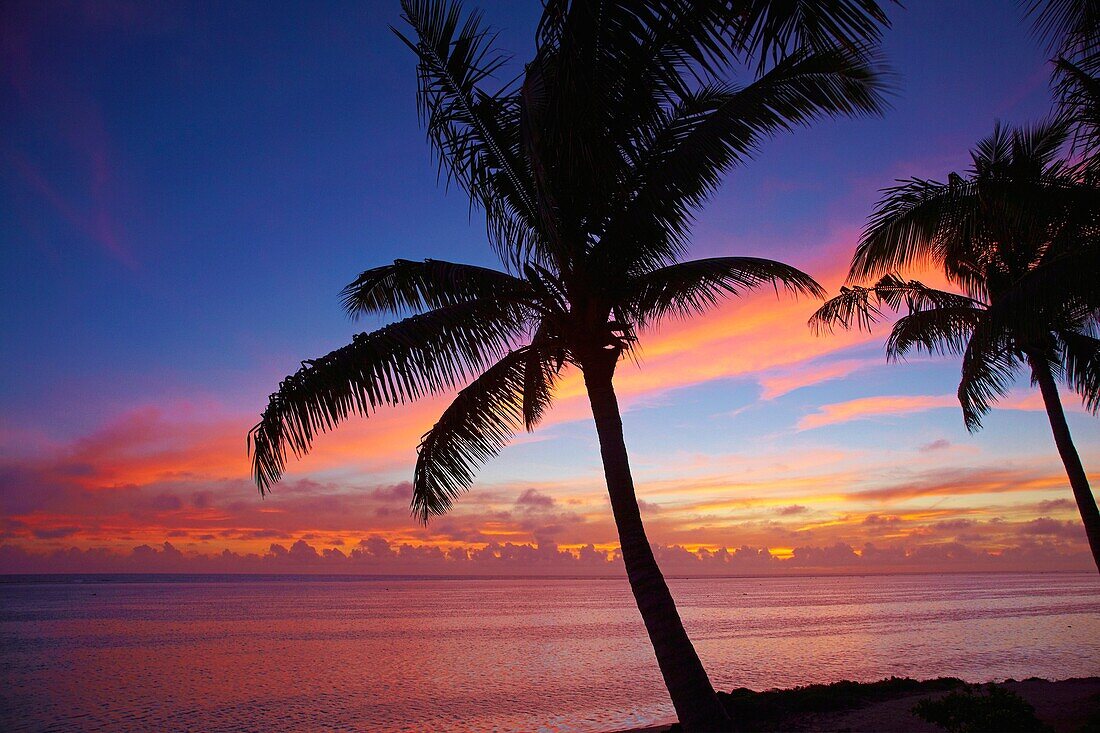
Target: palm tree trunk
[1078,481]
[696,703]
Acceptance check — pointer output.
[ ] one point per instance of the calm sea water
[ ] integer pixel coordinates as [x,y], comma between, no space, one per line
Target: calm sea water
[309,654]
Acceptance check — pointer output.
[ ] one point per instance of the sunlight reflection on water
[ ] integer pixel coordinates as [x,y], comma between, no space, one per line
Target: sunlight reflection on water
[498,655]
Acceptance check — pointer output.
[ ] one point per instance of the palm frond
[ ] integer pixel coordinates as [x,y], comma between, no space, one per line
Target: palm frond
[936,330]
[477,425]
[408,286]
[1081,366]
[769,31]
[680,161]
[1069,27]
[993,152]
[907,228]
[853,306]
[860,306]
[672,40]
[545,359]
[1061,287]
[1035,149]
[989,366]
[474,132]
[916,296]
[1079,93]
[690,288]
[1069,213]
[424,354]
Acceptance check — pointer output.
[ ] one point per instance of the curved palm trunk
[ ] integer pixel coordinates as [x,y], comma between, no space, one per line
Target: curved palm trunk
[692,695]
[1078,481]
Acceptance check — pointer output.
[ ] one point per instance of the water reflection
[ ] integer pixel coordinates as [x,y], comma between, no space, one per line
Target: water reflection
[482,655]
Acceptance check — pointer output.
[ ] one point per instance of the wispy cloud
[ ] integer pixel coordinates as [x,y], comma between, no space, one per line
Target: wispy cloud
[867,407]
[779,382]
[899,405]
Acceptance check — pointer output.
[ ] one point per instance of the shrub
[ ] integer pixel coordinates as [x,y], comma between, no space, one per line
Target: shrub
[981,709]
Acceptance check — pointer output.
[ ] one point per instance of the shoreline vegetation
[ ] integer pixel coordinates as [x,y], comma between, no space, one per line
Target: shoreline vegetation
[916,706]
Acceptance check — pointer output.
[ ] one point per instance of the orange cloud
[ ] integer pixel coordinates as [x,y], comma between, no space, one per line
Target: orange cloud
[741,339]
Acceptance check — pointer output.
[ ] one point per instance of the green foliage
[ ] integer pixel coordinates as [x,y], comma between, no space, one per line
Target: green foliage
[981,709]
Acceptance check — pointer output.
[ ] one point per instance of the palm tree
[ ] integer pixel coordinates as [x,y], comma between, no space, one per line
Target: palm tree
[1020,237]
[589,168]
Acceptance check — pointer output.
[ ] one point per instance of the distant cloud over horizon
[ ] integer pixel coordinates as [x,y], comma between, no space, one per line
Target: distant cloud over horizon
[375,556]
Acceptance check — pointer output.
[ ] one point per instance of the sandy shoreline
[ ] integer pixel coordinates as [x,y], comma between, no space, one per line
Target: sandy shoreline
[1064,705]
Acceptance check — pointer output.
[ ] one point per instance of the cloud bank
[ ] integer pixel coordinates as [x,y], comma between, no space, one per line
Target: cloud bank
[376,556]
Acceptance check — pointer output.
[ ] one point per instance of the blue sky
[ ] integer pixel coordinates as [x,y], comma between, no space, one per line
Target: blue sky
[186,187]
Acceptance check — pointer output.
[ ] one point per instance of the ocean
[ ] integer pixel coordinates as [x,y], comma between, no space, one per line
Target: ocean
[302,653]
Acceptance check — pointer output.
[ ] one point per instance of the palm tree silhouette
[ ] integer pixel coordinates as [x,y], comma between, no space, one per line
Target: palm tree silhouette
[1020,236]
[589,168]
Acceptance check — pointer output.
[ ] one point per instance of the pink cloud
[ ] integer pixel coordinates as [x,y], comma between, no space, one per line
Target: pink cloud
[891,405]
[68,112]
[97,225]
[1031,400]
[866,407]
[967,481]
[780,382]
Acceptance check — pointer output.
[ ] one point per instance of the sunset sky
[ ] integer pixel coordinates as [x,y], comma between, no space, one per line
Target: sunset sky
[186,188]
